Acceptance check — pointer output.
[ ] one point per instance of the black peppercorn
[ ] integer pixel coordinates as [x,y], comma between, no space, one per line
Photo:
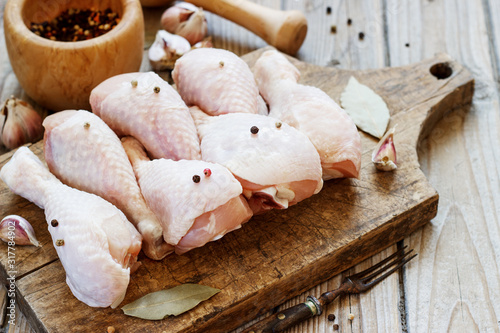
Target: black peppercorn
[254,130]
[196,178]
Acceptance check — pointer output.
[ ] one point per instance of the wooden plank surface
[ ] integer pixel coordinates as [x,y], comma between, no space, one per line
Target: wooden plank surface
[469,139]
[454,286]
[280,253]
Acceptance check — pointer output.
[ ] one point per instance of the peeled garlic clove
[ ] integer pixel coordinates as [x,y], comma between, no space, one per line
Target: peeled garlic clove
[21,123]
[186,20]
[384,154]
[17,229]
[166,49]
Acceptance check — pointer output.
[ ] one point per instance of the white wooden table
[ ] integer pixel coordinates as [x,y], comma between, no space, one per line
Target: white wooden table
[454,283]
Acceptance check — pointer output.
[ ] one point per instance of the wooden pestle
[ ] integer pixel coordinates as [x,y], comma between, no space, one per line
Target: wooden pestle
[285,30]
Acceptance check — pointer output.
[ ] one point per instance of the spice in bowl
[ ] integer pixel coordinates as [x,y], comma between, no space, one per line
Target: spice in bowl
[77,24]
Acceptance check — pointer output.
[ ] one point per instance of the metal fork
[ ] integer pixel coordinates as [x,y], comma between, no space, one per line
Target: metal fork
[313,306]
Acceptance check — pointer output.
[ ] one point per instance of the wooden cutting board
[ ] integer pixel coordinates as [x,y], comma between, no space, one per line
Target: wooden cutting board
[280,254]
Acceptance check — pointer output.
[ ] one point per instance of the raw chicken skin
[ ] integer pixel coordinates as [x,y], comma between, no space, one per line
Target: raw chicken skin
[277,166]
[217,81]
[212,225]
[84,153]
[95,242]
[193,210]
[146,107]
[312,112]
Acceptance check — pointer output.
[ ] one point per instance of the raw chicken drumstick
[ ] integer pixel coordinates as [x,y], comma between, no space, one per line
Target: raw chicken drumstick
[146,107]
[196,201]
[276,164]
[218,82]
[312,112]
[84,153]
[95,242]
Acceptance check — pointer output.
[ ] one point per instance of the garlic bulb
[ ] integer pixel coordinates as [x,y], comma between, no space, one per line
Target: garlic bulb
[18,230]
[20,123]
[384,154]
[186,20]
[166,49]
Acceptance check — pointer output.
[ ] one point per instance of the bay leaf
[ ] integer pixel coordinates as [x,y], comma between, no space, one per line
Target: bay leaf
[367,109]
[174,301]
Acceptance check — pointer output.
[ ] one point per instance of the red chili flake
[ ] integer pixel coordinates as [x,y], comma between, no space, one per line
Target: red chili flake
[207,172]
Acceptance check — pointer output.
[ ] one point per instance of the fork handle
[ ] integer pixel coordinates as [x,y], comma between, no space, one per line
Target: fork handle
[287,318]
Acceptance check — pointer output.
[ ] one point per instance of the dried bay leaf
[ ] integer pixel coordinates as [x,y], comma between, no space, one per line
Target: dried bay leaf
[173,301]
[367,109]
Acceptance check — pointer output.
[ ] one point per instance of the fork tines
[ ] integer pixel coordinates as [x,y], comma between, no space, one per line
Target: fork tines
[400,259]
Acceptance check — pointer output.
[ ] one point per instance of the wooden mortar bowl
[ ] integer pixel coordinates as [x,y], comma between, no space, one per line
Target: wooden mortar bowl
[60,75]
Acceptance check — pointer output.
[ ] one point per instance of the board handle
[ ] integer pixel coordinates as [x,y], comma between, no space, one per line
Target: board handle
[285,30]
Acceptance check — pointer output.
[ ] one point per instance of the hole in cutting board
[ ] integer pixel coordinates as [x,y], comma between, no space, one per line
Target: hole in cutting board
[441,70]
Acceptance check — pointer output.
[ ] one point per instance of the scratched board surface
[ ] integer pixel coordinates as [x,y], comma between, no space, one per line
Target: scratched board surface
[280,254]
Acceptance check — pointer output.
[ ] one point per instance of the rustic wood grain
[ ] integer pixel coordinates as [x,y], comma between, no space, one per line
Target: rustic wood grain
[465,143]
[334,40]
[282,253]
[343,47]
[455,284]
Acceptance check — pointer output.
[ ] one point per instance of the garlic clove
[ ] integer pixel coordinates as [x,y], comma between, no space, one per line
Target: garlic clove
[173,16]
[207,42]
[186,20]
[17,229]
[21,123]
[384,154]
[195,28]
[2,120]
[166,49]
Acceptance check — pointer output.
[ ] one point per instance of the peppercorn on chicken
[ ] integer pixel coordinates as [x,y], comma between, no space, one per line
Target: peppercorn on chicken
[196,201]
[312,112]
[276,164]
[84,153]
[146,107]
[218,82]
[95,242]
